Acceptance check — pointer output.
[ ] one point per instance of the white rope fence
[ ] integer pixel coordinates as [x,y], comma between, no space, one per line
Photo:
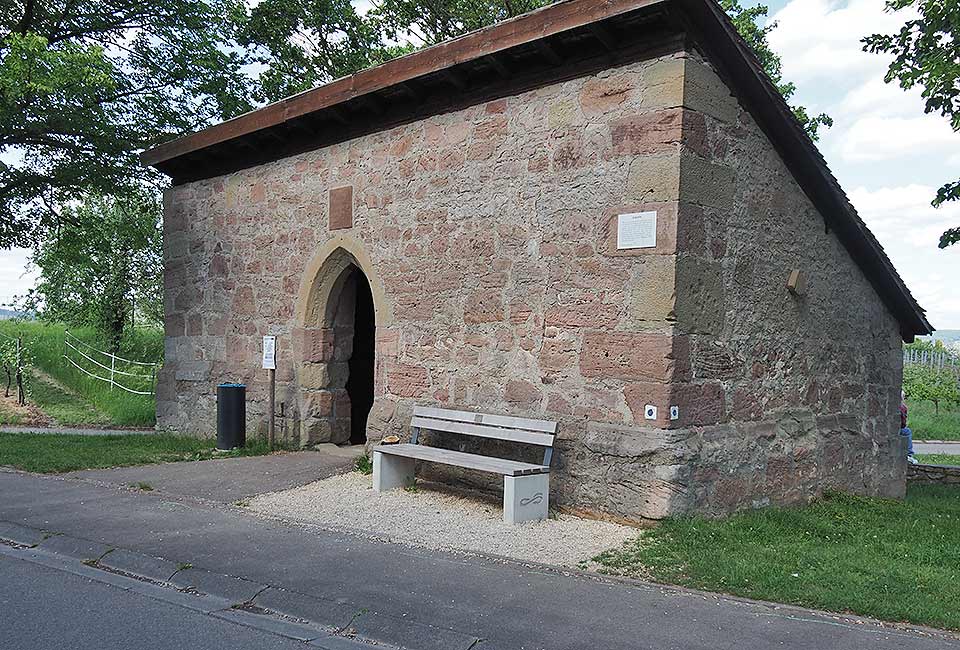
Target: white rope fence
[143,374]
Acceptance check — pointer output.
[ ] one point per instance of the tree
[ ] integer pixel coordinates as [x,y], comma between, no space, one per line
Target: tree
[429,23]
[85,84]
[929,384]
[303,43]
[926,52]
[103,265]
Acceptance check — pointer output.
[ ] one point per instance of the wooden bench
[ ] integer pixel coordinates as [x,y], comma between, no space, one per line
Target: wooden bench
[526,486]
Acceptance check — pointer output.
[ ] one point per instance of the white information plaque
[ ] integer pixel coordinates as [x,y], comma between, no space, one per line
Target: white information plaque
[637,230]
[270,352]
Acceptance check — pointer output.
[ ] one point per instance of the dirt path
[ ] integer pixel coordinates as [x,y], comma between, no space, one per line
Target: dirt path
[48,401]
[14,414]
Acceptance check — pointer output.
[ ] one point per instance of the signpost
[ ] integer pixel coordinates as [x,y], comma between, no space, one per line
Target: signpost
[270,364]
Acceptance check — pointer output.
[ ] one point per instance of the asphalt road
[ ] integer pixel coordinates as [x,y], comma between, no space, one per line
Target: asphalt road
[409,597]
[44,608]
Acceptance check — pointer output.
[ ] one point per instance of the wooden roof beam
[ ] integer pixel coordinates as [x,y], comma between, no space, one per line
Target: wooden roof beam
[605,36]
[549,52]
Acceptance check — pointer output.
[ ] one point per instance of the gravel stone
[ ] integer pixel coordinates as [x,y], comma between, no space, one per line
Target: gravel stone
[437,517]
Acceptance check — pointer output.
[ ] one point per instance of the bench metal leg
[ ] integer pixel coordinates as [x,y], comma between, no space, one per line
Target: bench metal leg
[525,498]
[392,472]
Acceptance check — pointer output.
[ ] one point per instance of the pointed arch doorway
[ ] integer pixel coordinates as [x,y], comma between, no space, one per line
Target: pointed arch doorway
[337,376]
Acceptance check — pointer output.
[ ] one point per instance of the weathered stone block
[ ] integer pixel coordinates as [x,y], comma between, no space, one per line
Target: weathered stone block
[654,179]
[626,355]
[706,183]
[705,92]
[484,306]
[318,345]
[648,133]
[317,403]
[405,380]
[652,298]
[193,370]
[700,305]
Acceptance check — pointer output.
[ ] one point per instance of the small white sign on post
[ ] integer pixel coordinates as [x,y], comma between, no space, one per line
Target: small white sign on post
[270,352]
[637,230]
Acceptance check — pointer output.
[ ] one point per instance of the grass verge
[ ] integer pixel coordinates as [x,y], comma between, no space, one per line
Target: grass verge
[927,424]
[939,459]
[55,453]
[893,560]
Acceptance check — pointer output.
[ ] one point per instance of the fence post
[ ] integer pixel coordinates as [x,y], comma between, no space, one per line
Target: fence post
[113,364]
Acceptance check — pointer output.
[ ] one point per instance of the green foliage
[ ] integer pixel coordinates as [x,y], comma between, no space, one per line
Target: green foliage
[926,53]
[305,44]
[746,22]
[8,363]
[102,265]
[894,560]
[116,407]
[83,87]
[364,465]
[929,384]
[428,23]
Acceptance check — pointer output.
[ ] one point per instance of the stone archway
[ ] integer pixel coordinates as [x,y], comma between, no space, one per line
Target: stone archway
[336,376]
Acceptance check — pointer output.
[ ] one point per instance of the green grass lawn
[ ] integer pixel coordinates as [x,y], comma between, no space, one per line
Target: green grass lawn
[927,424]
[893,560]
[53,453]
[939,459]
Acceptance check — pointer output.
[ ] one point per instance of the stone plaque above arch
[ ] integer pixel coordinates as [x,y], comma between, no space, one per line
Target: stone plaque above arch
[341,208]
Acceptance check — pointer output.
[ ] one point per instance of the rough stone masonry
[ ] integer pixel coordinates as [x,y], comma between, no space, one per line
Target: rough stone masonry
[488,236]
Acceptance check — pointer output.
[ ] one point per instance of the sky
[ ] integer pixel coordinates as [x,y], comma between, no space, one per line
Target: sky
[889,156]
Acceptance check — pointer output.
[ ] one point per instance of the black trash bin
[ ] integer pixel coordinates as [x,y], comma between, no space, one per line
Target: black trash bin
[231,416]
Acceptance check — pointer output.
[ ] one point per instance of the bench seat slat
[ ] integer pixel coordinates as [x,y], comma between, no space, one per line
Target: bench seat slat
[462,459]
[484,431]
[504,421]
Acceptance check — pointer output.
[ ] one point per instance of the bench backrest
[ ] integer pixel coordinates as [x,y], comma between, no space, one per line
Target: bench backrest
[485,425]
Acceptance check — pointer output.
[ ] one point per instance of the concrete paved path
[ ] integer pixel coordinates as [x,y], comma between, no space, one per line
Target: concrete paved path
[230,479]
[408,597]
[79,431]
[937,448]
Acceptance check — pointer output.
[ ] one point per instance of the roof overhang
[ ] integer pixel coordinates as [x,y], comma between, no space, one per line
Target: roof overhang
[561,41]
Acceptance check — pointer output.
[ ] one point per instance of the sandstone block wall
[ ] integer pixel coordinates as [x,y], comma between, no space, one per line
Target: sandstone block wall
[488,236]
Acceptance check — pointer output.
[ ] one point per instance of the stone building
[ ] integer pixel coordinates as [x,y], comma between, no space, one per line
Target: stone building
[590,213]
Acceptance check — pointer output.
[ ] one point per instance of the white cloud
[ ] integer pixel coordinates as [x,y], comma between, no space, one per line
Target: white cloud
[819,40]
[881,98]
[909,228]
[874,137]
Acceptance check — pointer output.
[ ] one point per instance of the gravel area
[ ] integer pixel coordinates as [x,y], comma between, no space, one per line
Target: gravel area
[435,517]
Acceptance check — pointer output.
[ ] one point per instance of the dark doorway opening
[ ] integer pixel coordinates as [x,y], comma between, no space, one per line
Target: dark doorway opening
[360,380]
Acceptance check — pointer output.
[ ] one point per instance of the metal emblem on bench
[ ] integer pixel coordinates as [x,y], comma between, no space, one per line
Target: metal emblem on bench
[535,499]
